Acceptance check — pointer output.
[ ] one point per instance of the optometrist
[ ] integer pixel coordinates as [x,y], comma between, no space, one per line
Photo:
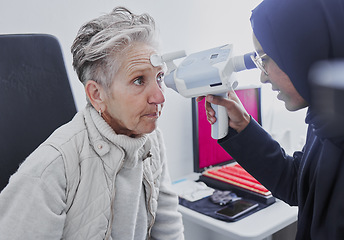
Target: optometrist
[290,36]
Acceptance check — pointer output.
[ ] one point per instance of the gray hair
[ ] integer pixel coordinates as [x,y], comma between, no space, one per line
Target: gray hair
[99,42]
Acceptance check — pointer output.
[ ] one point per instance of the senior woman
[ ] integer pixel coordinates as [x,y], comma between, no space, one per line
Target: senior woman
[104,174]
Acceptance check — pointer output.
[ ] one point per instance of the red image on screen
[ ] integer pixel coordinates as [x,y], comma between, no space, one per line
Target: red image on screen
[210,152]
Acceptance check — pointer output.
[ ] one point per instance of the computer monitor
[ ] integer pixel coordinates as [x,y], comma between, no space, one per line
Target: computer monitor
[207,152]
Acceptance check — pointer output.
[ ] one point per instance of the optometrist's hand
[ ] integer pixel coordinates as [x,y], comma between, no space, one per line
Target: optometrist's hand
[238,116]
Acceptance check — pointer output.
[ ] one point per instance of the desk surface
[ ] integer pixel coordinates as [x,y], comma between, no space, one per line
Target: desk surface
[259,225]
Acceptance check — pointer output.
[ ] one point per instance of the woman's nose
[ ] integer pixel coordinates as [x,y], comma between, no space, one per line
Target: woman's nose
[156,94]
[264,78]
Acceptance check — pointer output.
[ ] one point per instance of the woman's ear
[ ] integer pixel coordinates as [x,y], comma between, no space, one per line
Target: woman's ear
[95,94]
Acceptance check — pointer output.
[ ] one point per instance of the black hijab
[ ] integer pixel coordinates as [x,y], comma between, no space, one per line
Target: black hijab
[296,34]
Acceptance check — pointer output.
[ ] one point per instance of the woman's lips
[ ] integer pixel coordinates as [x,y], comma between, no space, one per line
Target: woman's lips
[156,113]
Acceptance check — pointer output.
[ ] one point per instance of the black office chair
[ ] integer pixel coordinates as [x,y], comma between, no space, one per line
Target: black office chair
[35,96]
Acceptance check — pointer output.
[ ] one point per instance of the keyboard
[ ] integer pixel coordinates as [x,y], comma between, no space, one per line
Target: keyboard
[234,174]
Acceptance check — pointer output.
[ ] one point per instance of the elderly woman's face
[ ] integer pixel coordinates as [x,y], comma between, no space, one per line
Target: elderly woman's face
[136,96]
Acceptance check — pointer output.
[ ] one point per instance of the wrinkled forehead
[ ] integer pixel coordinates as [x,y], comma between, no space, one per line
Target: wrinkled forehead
[138,57]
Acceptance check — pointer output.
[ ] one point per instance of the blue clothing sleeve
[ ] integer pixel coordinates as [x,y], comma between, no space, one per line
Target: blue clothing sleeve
[256,151]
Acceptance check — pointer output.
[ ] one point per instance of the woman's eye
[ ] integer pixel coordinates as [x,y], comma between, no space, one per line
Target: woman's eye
[139,81]
[160,77]
[265,59]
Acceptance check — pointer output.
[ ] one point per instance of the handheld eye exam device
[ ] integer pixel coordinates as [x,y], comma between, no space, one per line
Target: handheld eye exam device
[205,72]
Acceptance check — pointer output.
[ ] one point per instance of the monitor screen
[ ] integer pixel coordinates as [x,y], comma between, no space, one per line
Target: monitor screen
[207,152]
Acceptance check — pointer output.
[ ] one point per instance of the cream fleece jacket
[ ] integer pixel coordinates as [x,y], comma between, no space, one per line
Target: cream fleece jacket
[34,204]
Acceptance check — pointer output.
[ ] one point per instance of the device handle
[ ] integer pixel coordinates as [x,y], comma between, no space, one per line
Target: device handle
[220,128]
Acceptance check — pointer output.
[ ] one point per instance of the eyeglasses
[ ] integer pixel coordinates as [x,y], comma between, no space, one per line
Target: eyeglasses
[258,61]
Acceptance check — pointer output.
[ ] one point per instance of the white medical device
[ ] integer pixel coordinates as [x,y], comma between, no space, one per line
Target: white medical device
[206,72]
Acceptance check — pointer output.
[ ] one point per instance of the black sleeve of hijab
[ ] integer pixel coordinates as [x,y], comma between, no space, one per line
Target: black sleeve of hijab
[263,158]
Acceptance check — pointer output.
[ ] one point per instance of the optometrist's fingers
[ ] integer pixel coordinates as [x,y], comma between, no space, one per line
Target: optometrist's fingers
[238,116]
[200,98]
[210,112]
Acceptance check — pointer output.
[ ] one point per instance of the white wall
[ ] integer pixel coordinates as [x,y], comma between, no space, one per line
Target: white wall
[191,25]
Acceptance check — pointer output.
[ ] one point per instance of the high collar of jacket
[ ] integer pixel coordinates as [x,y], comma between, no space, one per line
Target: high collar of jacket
[100,132]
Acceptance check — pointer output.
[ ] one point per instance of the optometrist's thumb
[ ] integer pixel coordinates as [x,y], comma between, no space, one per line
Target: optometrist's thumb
[238,116]
[217,100]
